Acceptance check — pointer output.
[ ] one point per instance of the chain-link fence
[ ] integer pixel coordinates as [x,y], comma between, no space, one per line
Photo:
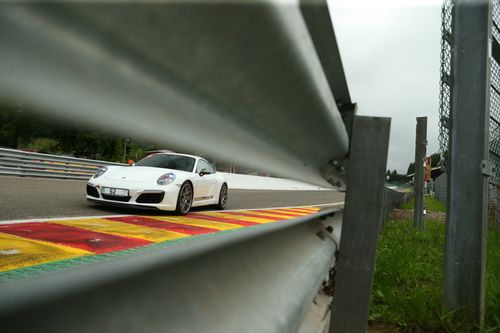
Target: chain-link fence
[494,198]
[446,87]
[495,100]
[445,106]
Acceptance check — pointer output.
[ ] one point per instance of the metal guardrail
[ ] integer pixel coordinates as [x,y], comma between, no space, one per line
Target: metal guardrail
[160,71]
[260,280]
[22,163]
[256,82]
[394,199]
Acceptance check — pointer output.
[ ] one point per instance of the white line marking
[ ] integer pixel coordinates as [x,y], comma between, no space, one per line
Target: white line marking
[333,204]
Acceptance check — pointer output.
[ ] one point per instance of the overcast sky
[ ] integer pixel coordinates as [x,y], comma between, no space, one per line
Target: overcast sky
[390,51]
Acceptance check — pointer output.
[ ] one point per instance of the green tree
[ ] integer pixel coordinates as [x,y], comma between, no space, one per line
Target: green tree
[45,145]
[435,158]
[21,128]
[411,168]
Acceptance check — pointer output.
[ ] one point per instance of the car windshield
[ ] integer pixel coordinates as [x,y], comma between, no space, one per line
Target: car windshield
[167,161]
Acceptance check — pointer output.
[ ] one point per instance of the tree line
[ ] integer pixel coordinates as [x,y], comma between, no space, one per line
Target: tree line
[435,158]
[21,128]
[395,177]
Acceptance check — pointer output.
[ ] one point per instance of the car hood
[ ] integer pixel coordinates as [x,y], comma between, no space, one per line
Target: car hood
[139,173]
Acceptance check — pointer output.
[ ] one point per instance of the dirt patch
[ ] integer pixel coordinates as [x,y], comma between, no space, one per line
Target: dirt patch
[407,214]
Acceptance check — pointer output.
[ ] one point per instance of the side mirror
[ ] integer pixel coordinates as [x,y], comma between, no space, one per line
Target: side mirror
[204,172]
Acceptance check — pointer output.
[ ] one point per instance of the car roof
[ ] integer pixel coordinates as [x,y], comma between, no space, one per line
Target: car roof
[187,155]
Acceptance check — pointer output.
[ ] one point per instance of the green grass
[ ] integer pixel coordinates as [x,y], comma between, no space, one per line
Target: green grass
[408,284]
[493,280]
[431,204]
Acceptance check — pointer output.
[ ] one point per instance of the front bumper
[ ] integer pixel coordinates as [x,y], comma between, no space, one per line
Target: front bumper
[168,195]
[119,204]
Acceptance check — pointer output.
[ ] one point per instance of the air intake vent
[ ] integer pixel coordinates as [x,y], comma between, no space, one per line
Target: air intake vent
[115,198]
[151,198]
[92,191]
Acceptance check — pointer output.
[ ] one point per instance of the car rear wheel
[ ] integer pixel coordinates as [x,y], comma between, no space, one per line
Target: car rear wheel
[222,197]
[185,199]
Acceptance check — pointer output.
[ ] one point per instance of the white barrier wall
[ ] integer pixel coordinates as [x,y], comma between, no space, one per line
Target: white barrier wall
[247,182]
[15,162]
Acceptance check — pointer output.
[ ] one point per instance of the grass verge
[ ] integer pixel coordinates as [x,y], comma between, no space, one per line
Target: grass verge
[431,204]
[408,284]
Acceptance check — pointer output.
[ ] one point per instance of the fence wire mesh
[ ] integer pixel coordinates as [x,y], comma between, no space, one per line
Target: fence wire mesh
[446,87]
[445,106]
[495,99]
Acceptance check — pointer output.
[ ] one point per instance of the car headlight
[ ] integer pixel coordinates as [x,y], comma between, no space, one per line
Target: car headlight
[166,179]
[100,172]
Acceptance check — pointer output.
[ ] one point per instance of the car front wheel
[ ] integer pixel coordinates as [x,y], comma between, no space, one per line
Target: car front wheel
[185,199]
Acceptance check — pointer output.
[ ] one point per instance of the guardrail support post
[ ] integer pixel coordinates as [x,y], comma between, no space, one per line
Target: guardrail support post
[465,251]
[363,215]
[418,184]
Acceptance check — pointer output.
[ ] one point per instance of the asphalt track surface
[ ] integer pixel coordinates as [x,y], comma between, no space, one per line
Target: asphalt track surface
[39,198]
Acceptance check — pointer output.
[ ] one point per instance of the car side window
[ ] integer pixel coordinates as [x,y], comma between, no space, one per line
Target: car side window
[212,169]
[204,166]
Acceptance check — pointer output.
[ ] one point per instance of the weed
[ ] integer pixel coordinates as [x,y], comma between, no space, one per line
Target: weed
[431,204]
[408,284]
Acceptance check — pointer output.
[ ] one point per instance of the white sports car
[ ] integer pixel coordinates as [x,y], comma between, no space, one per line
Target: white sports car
[166,181]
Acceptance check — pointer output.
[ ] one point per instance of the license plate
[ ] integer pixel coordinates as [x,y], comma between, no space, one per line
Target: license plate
[119,192]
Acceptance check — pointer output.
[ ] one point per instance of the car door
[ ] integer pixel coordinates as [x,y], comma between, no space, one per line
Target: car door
[212,179]
[204,184]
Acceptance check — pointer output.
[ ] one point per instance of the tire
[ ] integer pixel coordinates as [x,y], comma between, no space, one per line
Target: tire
[222,197]
[184,199]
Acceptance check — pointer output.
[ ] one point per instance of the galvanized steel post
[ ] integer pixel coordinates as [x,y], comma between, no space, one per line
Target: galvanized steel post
[363,215]
[465,259]
[418,184]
